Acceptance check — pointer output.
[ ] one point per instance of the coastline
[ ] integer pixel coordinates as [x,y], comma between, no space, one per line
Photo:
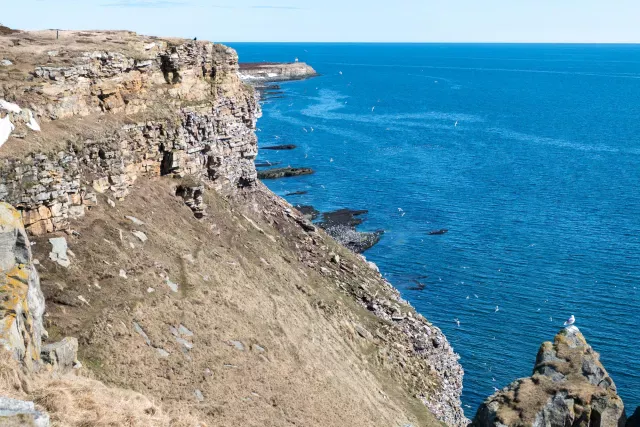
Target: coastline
[140,280]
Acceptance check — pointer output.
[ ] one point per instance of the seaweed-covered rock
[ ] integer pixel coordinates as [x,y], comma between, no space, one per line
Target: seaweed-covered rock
[569,387]
[284,172]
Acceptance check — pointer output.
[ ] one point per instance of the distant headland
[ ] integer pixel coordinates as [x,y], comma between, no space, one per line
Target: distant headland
[275,71]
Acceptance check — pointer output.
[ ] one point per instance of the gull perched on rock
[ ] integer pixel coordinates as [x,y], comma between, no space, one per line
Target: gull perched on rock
[570,321]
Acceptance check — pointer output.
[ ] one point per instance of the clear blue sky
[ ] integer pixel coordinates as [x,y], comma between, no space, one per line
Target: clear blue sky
[342,20]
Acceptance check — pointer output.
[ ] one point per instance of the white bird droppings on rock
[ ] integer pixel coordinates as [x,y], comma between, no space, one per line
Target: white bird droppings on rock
[58,252]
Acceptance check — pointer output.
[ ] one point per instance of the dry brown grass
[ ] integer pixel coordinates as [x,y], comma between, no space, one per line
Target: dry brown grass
[236,283]
[76,401]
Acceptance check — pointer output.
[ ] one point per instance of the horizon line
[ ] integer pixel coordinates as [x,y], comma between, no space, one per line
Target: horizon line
[445,42]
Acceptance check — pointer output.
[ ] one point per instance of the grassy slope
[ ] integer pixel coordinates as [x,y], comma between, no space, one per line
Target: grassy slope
[241,278]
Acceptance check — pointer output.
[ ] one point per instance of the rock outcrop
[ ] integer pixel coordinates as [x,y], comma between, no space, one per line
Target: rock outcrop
[260,72]
[168,107]
[569,387]
[19,413]
[21,300]
[249,309]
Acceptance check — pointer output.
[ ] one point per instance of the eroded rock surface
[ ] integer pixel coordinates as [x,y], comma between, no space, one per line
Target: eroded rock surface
[161,107]
[21,300]
[569,387]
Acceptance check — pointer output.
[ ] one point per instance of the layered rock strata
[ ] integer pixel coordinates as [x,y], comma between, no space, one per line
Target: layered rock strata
[162,107]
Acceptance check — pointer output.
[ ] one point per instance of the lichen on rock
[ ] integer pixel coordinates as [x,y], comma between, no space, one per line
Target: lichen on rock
[21,300]
[569,387]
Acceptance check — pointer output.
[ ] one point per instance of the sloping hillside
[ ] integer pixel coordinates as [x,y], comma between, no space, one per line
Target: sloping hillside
[185,279]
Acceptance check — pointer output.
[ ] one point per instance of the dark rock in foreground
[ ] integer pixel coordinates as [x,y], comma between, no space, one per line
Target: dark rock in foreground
[634,420]
[569,387]
[284,173]
[341,225]
[280,147]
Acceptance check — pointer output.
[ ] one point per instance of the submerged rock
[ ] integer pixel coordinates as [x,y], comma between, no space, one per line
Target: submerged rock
[284,173]
[569,387]
[280,147]
[296,193]
[308,212]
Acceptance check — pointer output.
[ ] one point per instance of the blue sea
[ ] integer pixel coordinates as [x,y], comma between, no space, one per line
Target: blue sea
[528,154]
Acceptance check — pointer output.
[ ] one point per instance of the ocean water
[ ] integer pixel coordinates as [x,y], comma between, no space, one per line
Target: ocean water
[528,154]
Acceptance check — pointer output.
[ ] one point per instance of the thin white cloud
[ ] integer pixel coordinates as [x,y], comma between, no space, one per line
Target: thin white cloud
[147,3]
[279,7]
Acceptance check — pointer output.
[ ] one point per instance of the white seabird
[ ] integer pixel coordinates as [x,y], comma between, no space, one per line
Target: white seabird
[570,321]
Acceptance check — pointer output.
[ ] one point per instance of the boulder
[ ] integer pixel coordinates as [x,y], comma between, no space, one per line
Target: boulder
[569,387]
[19,413]
[62,355]
[21,299]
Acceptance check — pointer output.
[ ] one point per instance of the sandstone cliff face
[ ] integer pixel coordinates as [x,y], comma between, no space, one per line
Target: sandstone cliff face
[172,107]
[249,316]
[569,387]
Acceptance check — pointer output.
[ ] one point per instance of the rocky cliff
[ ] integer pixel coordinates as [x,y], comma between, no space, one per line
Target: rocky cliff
[569,387]
[260,72]
[184,279]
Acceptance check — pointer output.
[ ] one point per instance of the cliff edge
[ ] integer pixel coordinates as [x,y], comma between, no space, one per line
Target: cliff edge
[196,295]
